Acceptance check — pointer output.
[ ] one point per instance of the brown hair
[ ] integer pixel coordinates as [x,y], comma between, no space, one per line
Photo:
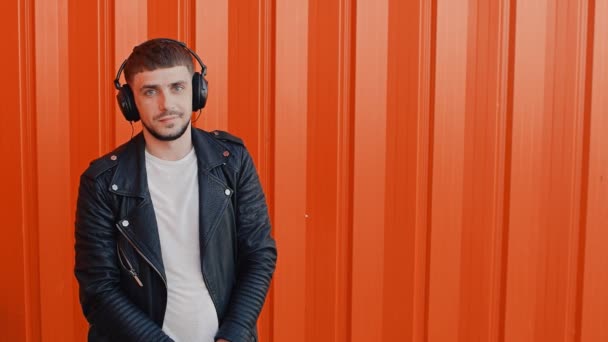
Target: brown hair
[155,54]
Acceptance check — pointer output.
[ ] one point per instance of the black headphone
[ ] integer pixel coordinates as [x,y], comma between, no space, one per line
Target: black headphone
[126,101]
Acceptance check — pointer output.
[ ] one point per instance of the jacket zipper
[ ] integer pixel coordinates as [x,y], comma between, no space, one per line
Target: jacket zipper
[130,267]
[142,255]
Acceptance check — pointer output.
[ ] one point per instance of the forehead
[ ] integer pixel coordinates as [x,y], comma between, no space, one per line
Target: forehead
[162,76]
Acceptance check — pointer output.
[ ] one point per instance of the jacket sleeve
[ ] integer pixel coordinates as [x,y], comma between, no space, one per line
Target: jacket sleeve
[256,257]
[104,304]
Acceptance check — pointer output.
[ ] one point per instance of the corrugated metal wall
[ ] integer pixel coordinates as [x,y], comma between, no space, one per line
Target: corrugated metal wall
[437,170]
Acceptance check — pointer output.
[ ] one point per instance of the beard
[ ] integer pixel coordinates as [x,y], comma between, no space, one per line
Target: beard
[167,137]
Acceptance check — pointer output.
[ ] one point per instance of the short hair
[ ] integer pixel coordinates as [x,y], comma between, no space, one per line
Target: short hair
[155,54]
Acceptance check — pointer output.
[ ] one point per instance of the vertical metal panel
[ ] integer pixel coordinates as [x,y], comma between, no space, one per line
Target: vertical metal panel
[212,44]
[322,167]
[15,312]
[55,216]
[595,282]
[436,170]
[344,139]
[423,166]
[130,29]
[163,18]
[524,223]
[265,136]
[407,147]
[369,169]
[290,181]
[483,158]
[328,126]
[548,121]
[448,167]
[243,73]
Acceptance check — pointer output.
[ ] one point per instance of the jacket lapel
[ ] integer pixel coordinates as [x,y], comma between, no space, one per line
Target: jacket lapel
[214,194]
[139,221]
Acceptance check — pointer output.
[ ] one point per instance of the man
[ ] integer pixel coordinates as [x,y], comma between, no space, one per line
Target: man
[172,231]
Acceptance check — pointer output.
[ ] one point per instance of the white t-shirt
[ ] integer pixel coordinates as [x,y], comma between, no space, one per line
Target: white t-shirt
[190,314]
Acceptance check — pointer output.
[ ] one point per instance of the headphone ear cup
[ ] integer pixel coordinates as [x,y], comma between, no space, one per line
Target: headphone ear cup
[199,91]
[126,102]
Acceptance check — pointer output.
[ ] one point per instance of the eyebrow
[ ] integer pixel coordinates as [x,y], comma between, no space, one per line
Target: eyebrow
[156,86]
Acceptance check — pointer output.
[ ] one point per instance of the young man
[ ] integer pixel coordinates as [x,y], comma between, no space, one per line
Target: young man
[172,231]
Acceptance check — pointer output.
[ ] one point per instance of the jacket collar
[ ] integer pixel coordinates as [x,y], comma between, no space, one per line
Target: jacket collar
[209,152]
[130,177]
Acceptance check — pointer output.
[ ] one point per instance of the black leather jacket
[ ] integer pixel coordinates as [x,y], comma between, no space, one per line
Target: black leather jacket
[118,257]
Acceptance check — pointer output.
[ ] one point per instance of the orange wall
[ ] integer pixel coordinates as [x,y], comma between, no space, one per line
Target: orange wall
[437,170]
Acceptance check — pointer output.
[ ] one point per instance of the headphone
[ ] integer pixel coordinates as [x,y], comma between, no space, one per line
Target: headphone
[126,100]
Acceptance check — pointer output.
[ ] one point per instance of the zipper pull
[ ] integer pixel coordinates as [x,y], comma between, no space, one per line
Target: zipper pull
[134,274]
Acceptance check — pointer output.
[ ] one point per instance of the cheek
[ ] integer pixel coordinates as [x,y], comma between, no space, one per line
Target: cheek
[146,108]
[140,102]
[186,103]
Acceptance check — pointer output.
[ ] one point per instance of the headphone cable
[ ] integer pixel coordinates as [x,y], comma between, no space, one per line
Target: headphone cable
[198,115]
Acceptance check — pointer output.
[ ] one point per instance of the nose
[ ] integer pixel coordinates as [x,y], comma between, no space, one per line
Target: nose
[165,101]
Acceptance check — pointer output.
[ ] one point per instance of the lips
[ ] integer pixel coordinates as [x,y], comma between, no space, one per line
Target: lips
[168,118]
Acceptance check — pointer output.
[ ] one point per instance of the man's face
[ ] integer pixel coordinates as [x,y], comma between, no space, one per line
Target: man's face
[164,101]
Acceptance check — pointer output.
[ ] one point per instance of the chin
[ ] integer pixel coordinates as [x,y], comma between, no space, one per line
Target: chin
[171,134]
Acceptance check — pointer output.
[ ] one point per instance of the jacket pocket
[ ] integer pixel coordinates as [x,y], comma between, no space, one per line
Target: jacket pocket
[127,265]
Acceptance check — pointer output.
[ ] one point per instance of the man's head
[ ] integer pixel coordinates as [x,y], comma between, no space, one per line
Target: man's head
[159,73]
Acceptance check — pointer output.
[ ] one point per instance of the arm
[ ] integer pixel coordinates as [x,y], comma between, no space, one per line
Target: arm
[257,257]
[103,302]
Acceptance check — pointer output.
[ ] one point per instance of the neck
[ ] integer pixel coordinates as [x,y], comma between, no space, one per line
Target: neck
[169,150]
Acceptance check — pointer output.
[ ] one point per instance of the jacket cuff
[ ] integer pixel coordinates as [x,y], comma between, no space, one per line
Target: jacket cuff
[234,332]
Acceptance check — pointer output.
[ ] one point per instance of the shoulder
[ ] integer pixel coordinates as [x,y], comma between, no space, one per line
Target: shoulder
[220,140]
[104,163]
[230,148]
[227,137]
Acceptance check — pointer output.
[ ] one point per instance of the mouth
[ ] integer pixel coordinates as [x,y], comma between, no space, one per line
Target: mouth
[168,118]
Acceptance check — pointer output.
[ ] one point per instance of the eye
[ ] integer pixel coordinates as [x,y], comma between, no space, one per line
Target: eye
[149,92]
[178,87]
